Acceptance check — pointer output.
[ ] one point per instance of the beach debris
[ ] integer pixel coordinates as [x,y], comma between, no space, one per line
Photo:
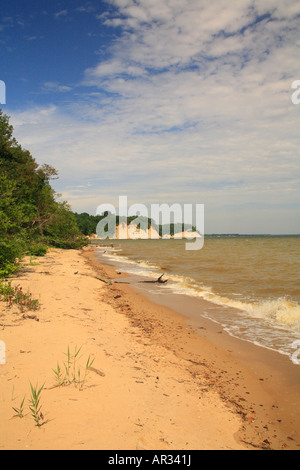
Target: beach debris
[158,280]
[30,317]
[97,371]
[102,279]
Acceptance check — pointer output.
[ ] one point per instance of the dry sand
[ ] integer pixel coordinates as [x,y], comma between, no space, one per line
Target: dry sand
[155,384]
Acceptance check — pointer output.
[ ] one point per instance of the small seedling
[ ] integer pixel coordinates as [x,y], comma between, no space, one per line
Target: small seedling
[34,404]
[75,358]
[73,373]
[88,365]
[70,366]
[59,377]
[15,295]
[19,411]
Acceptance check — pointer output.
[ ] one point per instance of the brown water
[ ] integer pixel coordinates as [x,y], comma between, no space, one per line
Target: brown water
[254,280]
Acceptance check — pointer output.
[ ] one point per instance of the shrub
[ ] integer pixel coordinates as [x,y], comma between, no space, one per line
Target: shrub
[38,249]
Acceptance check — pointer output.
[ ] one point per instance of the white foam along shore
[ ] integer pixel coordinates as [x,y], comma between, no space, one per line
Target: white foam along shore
[273,324]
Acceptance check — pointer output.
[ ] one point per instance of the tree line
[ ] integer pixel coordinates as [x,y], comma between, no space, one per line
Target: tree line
[88,223]
[31,218]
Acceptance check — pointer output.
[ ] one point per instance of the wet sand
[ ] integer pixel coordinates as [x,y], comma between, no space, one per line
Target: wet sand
[267,391]
[161,379]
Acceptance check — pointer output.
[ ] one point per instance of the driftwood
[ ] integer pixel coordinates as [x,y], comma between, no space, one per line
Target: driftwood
[30,317]
[159,280]
[97,371]
[102,279]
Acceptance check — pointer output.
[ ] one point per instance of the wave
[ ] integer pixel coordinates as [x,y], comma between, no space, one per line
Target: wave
[273,323]
[142,268]
[280,312]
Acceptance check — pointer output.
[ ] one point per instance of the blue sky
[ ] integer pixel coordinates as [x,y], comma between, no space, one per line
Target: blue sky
[165,101]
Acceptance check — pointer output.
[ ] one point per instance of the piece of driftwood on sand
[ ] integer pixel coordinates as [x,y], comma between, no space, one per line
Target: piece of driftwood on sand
[158,280]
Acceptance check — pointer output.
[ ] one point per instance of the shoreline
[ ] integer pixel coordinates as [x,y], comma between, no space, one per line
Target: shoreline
[274,378]
[158,381]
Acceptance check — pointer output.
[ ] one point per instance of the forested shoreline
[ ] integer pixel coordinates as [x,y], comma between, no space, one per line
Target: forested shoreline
[31,217]
[87,224]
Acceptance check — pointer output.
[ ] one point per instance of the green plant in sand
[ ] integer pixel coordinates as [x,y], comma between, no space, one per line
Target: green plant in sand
[88,365]
[34,404]
[15,295]
[72,371]
[19,411]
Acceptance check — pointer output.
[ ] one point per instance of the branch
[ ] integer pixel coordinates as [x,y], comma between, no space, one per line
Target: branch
[159,280]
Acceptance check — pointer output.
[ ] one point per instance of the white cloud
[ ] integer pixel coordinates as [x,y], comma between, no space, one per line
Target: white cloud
[61,13]
[55,87]
[87,8]
[193,104]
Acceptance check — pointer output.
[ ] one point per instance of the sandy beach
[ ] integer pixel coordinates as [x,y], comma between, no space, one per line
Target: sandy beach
[159,380]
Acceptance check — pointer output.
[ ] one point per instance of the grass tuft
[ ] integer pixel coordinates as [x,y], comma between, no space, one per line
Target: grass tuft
[19,411]
[34,404]
[73,373]
[15,295]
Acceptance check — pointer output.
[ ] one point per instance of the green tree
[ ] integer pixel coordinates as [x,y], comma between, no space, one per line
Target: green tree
[87,223]
[62,230]
[30,215]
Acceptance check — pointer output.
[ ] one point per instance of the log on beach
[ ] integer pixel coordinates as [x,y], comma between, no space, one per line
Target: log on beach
[158,280]
[99,278]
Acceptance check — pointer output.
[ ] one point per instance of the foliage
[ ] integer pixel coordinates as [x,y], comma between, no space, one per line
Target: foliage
[73,373]
[62,231]
[31,218]
[37,249]
[15,295]
[34,404]
[19,411]
[88,224]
